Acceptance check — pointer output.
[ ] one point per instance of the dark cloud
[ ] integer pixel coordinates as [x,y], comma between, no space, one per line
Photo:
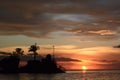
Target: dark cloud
[118,46]
[5,53]
[108,61]
[108,64]
[41,17]
[26,58]
[64,59]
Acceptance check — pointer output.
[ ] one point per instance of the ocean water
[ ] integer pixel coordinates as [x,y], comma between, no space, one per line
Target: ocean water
[69,75]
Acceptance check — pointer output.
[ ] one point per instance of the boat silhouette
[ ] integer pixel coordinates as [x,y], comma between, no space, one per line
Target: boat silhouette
[48,64]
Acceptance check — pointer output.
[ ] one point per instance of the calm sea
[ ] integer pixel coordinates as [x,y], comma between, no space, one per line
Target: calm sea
[70,75]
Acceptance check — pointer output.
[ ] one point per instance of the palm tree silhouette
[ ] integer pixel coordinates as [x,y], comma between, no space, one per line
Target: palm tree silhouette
[18,51]
[34,48]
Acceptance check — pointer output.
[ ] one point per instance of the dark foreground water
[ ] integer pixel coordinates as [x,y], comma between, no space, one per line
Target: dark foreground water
[74,75]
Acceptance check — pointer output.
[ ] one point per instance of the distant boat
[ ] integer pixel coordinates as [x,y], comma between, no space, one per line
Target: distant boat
[10,64]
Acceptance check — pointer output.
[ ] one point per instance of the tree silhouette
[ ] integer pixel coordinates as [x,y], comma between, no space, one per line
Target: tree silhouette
[34,48]
[18,51]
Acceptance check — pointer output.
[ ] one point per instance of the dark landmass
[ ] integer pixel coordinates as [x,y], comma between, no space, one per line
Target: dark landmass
[35,62]
[10,64]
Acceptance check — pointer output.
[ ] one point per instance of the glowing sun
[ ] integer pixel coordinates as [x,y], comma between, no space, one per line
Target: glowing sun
[84,68]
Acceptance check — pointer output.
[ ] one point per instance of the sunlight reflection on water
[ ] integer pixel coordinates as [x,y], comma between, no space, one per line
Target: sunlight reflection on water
[70,75]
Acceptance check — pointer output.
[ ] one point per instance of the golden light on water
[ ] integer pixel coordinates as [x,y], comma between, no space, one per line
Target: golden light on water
[84,68]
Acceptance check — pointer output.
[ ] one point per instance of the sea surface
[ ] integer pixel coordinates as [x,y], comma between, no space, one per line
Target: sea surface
[69,75]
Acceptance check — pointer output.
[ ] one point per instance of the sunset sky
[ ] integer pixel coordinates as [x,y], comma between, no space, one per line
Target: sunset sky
[83,31]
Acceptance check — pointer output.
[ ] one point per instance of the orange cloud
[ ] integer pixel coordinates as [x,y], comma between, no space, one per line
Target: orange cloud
[103,32]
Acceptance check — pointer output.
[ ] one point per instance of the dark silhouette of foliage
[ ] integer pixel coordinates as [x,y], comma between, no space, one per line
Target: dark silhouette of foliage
[34,48]
[18,51]
[10,64]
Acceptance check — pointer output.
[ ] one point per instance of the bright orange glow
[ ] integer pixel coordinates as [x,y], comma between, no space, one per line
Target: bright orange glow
[84,68]
[88,58]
